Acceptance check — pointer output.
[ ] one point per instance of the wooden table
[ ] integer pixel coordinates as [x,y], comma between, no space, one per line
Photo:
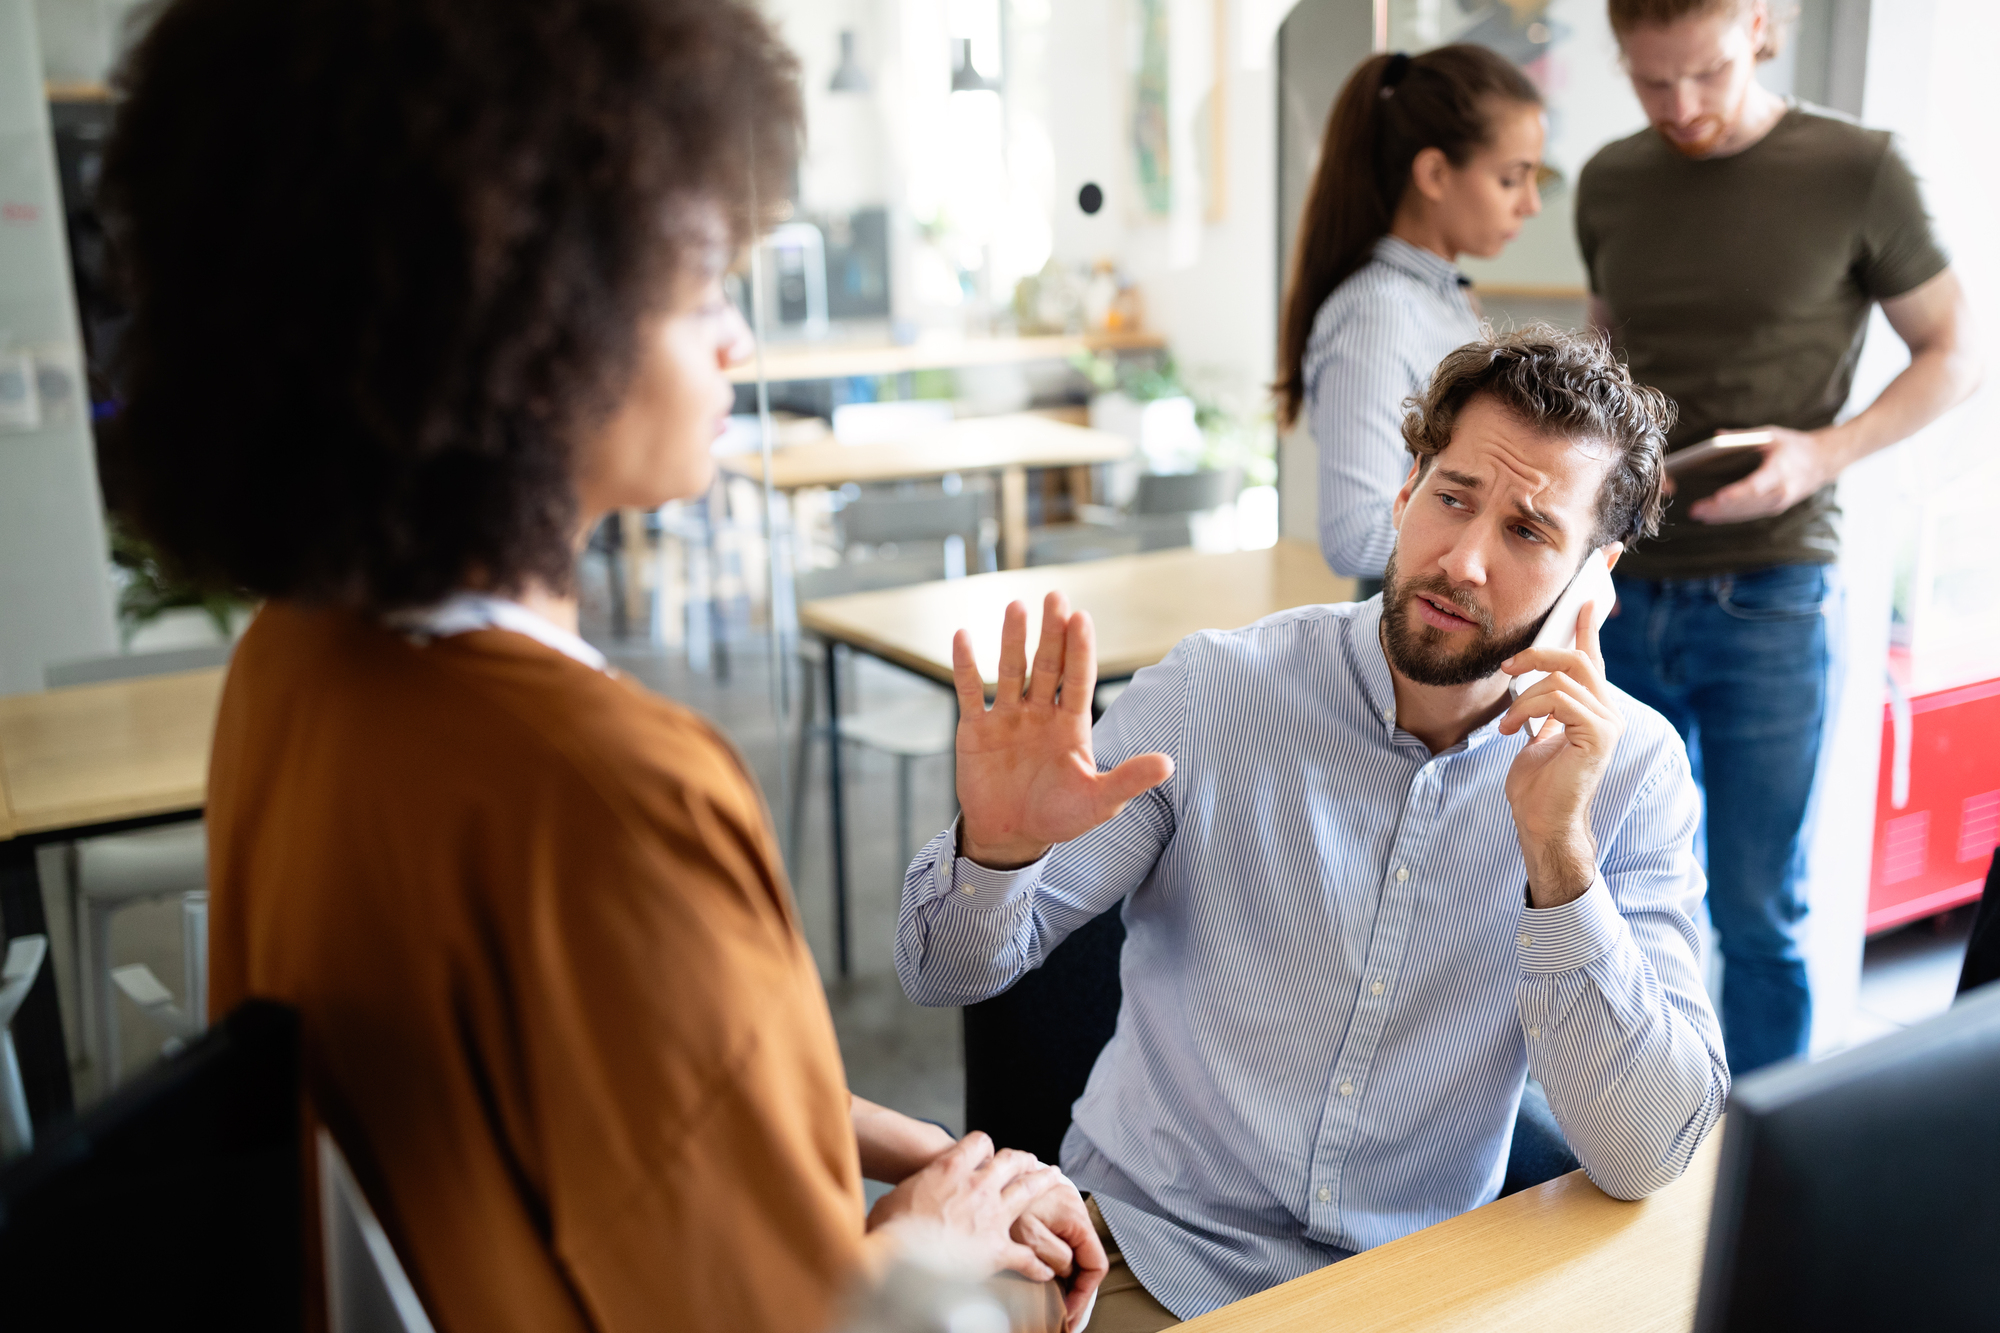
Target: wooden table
[1008,445]
[826,361]
[1140,605]
[80,761]
[1564,1257]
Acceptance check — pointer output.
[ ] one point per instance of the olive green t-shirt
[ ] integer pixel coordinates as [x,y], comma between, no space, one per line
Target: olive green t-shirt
[1740,286]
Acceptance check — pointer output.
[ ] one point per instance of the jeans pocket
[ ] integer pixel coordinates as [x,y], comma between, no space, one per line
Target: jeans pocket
[1786,592]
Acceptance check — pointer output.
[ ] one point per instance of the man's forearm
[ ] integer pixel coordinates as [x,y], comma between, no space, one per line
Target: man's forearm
[1936,380]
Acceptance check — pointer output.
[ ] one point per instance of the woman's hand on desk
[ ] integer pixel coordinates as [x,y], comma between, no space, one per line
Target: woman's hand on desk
[1026,778]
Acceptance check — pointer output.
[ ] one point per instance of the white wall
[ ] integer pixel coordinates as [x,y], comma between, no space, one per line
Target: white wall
[1214,300]
[55,597]
[1926,76]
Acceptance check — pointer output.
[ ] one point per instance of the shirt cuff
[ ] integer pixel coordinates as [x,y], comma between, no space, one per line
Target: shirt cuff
[969,884]
[1576,934]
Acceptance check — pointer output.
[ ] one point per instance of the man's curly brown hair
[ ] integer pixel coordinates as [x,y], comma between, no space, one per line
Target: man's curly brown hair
[388,261]
[1571,386]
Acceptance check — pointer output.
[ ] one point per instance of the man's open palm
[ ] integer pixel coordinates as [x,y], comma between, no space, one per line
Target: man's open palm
[1026,778]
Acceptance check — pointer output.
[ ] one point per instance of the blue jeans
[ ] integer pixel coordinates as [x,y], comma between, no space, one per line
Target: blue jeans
[1743,666]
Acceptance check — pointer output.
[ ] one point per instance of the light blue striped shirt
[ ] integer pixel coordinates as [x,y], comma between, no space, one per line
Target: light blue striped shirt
[1334,988]
[1375,342]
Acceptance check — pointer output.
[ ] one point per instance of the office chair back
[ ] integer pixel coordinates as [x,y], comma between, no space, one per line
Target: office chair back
[174,1203]
[367,1290]
[872,520]
[1186,492]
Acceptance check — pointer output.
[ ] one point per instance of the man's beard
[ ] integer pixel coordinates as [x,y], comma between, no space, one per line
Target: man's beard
[1710,132]
[1420,651]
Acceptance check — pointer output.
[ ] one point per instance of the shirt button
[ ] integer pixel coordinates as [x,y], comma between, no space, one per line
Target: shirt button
[1377,988]
[1402,873]
[1325,1194]
[1347,1089]
[1535,1033]
[966,890]
[1525,940]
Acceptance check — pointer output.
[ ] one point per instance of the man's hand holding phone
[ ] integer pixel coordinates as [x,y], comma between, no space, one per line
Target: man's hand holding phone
[1553,779]
[1026,777]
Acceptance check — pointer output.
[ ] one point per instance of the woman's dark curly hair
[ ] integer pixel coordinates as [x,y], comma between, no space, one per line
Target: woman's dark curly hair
[388,261]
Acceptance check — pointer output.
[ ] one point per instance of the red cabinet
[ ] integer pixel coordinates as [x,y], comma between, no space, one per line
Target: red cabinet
[1937,808]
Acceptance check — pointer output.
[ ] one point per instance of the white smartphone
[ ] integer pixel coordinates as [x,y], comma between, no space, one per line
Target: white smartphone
[1592,583]
[1715,446]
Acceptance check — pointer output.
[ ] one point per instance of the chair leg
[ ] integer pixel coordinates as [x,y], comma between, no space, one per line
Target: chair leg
[836,808]
[801,773]
[903,850]
[194,957]
[17,1131]
[110,1063]
[83,965]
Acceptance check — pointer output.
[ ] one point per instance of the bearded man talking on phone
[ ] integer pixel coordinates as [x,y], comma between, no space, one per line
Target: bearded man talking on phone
[1362,901]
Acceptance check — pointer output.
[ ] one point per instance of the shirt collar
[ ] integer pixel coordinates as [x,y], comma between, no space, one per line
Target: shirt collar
[1430,269]
[1378,687]
[463,612]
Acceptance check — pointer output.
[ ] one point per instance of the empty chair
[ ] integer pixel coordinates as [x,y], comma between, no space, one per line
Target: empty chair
[110,874]
[1162,513]
[1162,517]
[956,521]
[17,974]
[367,1290]
[931,537]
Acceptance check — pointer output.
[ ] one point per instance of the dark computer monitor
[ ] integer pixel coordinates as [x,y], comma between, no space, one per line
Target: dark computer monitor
[1864,1191]
[175,1203]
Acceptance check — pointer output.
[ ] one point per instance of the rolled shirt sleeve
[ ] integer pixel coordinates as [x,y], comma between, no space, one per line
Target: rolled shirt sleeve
[1616,1020]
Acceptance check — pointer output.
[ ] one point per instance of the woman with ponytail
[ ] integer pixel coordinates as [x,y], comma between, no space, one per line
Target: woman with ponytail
[1425,158]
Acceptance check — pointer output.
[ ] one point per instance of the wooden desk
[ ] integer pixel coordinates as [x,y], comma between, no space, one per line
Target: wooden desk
[77,761]
[1564,1257]
[1140,605]
[827,361]
[1009,445]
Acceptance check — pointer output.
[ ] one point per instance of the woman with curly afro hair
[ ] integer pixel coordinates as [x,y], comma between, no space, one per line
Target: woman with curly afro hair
[420,290]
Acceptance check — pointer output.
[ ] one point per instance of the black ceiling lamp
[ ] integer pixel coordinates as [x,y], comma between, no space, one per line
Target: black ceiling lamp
[965,76]
[848,76]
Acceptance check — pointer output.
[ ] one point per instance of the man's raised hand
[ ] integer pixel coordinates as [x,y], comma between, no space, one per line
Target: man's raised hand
[1026,778]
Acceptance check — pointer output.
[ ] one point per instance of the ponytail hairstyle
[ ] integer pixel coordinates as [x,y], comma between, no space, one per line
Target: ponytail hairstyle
[1390,109]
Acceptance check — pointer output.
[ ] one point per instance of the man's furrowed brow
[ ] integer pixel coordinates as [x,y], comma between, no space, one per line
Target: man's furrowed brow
[1469,482]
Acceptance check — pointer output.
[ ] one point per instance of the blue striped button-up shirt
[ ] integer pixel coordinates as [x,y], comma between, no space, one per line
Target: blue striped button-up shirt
[1375,342]
[1334,988]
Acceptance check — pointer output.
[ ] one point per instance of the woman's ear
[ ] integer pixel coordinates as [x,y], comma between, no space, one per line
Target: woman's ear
[1428,172]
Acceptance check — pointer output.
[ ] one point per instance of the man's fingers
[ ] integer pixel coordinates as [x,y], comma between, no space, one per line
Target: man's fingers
[1563,706]
[1050,1248]
[1018,1258]
[1140,773]
[1013,655]
[965,677]
[1587,639]
[1049,651]
[1079,676]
